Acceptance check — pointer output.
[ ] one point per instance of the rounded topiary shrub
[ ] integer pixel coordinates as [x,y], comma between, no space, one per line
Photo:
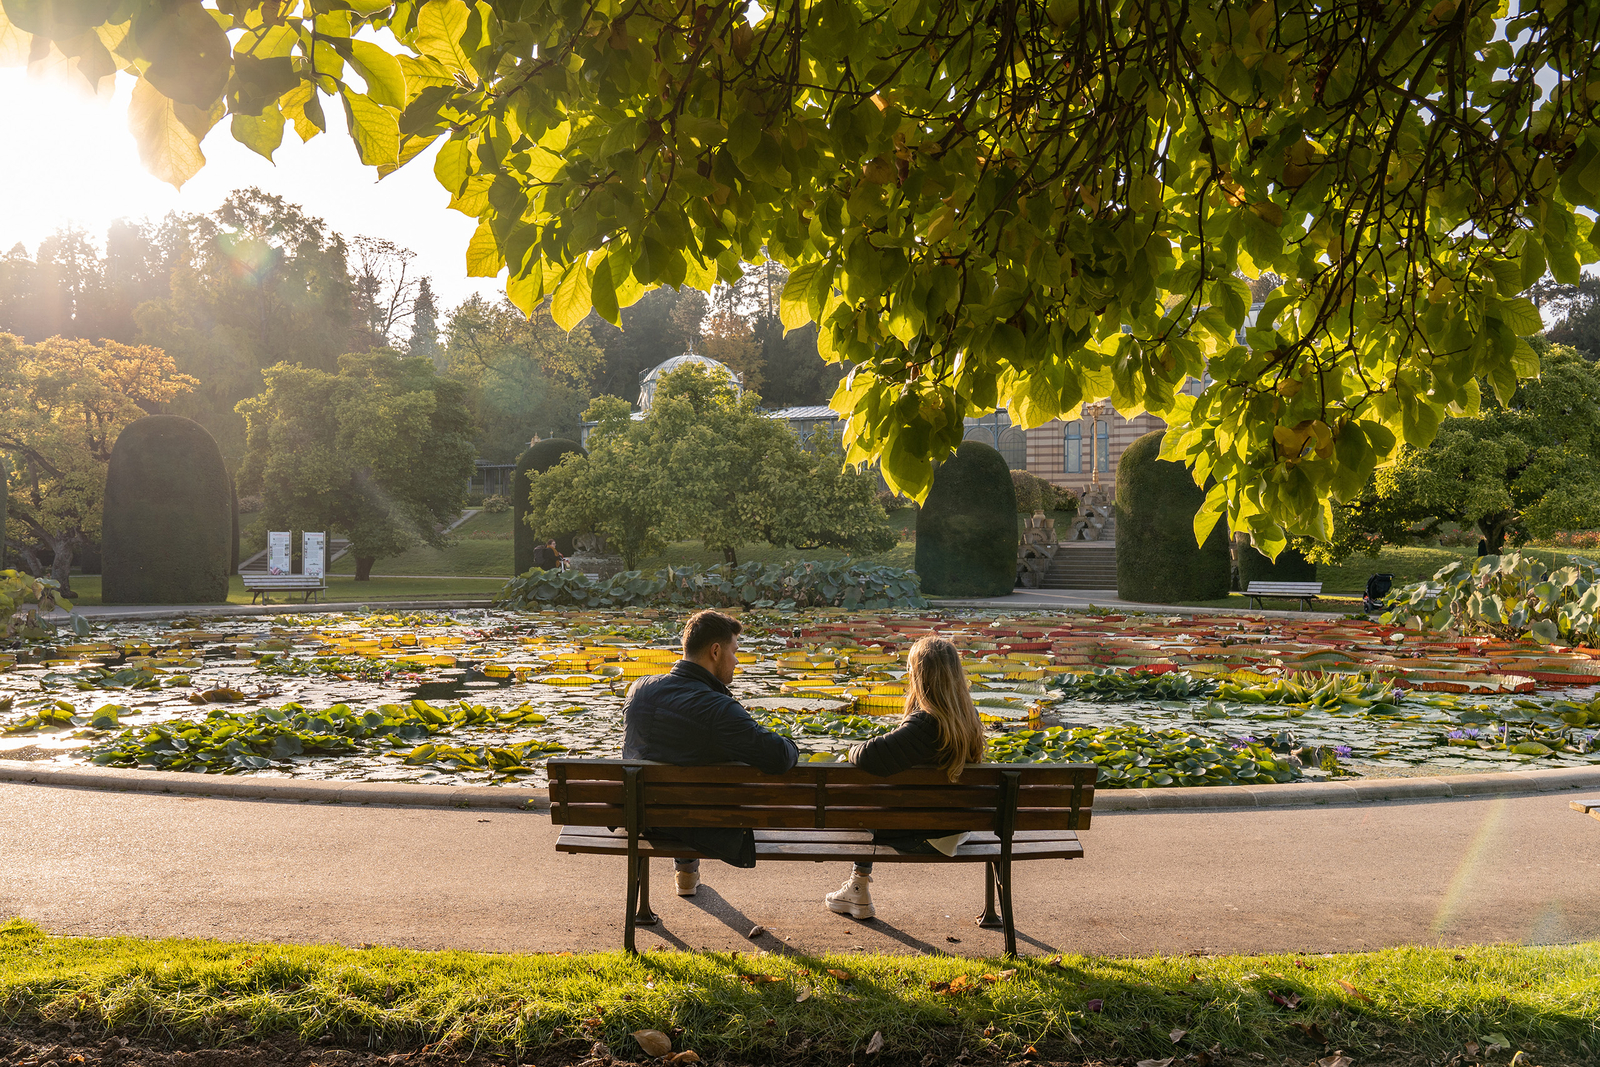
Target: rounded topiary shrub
[967,528]
[1157,559]
[167,526]
[1290,566]
[536,460]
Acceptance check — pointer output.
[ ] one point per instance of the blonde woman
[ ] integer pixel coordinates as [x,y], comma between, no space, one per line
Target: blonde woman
[942,729]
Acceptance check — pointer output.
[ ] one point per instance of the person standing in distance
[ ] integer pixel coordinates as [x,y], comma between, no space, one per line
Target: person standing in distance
[688,717]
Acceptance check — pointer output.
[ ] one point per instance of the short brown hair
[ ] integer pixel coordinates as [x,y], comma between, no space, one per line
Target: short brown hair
[707,628]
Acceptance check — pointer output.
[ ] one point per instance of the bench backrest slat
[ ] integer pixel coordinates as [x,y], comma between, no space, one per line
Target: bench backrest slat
[588,792]
[1296,588]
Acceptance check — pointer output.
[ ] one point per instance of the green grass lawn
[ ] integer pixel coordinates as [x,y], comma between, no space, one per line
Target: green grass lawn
[1398,1003]
[341,589]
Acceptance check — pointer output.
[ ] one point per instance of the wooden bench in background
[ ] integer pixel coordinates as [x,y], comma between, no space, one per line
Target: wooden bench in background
[820,812]
[1588,807]
[262,584]
[1305,592]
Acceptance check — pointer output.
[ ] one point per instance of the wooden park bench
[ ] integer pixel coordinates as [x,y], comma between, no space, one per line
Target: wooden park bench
[1305,592]
[823,812]
[262,584]
[1588,807]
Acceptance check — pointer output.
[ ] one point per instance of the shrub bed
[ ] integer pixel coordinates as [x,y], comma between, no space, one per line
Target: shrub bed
[753,585]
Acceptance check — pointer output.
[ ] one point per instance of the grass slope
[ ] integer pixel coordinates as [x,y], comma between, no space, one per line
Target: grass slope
[1430,1002]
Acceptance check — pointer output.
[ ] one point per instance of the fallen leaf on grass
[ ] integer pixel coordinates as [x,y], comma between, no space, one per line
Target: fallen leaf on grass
[1497,1041]
[1178,1035]
[688,1055]
[1156,1063]
[843,976]
[1519,1059]
[1313,1031]
[654,1042]
[1472,1049]
[875,1046]
[755,932]
[1304,966]
[1000,977]
[1291,1001]
[1354,992]
[1094,1005]
[1338,1059]
[803,996]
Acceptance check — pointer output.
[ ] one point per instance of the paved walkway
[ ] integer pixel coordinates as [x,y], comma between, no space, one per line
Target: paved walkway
[1487,869]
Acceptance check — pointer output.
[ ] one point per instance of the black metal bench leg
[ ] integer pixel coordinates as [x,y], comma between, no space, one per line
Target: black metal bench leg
[644,916]
[988,920]
[633,901]
[1010,924]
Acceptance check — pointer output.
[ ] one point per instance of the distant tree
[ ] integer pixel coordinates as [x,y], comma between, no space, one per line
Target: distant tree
[706,464]
[1578,308]
[1525,469]
[653,330]
[524,377]
[63,402]
[617,491]
[19,307]
[384,290]
[425,326]
[726,336]
[379,452]
[69,285]
[793,373]
[255,283]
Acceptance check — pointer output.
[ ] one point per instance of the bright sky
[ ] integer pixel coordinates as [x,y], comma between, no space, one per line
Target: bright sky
[67,157]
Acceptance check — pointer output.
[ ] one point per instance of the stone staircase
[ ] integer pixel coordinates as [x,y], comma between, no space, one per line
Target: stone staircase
[1083,565]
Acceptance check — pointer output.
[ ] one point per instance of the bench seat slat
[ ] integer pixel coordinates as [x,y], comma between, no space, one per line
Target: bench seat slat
[794,837]
[1063,845]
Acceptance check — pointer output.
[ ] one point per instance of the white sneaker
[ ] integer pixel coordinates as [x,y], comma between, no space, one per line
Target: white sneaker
[688,882]
[853,898]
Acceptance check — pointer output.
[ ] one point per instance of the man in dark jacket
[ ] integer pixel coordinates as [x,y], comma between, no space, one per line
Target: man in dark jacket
[687,717]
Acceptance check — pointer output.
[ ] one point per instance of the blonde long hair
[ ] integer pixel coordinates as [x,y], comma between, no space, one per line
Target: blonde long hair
[936,684]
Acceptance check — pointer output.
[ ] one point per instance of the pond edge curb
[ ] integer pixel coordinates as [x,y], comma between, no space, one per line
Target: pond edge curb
[402,794]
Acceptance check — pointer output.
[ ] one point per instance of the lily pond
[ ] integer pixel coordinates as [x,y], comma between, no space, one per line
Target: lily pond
[482,697]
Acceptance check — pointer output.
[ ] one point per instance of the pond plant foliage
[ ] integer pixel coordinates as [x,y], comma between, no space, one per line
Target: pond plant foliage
[1158,561]
[784,587]
[538,458]
[168,522]
[967,528]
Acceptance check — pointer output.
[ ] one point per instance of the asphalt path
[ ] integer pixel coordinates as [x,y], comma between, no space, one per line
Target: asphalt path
[1520,869]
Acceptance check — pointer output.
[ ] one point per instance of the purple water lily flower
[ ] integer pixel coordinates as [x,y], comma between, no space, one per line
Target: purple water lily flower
[1342,751]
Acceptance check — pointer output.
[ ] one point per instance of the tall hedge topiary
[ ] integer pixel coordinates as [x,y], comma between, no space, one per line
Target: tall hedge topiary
[1290,566]
[967,528]
[537,459]
[1157,559]
[168,521]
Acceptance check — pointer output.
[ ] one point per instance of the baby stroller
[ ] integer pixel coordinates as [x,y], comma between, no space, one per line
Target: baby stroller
[1378,587]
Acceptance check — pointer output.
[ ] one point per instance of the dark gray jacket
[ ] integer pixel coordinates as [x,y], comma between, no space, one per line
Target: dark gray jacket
[686,717]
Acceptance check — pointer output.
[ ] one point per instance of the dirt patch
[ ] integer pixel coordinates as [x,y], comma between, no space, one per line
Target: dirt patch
[78,1046]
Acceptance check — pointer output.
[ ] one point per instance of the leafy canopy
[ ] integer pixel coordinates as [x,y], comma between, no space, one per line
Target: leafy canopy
[981,202]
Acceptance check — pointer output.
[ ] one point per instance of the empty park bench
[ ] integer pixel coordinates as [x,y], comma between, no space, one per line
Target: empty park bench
[821,812]
[262,584]
[1305,592]
[1588,807]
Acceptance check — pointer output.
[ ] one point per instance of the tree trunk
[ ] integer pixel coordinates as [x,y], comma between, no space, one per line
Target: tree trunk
[364,568]
[1495,528]
[61,568]
[730,556]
